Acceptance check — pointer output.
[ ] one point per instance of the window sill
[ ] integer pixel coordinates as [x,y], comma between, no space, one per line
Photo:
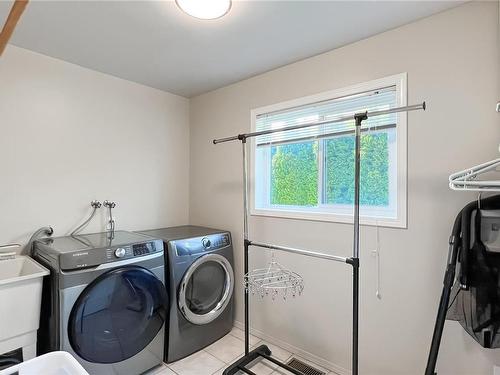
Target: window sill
[329,217]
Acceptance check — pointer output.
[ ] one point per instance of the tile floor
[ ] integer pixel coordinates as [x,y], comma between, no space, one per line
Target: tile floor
[216,357]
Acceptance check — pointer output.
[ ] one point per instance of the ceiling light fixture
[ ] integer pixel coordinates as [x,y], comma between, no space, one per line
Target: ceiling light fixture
[205,9]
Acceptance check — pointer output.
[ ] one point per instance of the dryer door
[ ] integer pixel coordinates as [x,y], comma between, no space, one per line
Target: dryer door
[206,289]
[117,315]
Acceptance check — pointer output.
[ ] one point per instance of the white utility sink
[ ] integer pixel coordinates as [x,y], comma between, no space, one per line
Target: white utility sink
[20,296]
[19,269]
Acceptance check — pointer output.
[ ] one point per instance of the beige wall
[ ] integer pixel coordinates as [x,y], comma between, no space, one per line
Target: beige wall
[70,135]
[452,61]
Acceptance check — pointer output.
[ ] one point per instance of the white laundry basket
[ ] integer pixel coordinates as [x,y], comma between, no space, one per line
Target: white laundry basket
[54,363]
[21,293]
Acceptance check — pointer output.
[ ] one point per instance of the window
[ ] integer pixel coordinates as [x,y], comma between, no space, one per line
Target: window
[309,173]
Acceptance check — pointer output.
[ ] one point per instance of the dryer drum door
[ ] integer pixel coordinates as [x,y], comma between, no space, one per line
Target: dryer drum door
[206,289]
[117,315]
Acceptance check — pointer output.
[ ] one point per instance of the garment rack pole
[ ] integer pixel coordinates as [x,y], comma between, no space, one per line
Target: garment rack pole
[318,123]
[355,248]
[263,351]
[300,251]
[246,241]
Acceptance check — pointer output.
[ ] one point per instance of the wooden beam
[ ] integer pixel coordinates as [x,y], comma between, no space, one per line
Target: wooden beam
[11,22]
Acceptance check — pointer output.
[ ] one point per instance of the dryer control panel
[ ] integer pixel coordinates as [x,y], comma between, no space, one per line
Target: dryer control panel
[192,246]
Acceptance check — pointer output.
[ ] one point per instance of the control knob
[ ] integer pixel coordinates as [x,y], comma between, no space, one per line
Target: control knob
[120,252]
[206,243]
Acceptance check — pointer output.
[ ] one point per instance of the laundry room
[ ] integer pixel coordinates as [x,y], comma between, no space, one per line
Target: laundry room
[222,187]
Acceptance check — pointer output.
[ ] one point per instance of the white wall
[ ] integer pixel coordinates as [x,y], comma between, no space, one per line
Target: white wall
[70,135]
[452,60]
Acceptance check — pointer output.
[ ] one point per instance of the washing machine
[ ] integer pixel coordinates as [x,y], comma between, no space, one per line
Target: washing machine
[105,301]
[200,275]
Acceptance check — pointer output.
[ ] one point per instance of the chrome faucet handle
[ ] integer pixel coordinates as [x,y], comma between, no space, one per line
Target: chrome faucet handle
[109,204]
[95,204]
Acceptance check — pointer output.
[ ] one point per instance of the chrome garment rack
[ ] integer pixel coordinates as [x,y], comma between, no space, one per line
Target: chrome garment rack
[264,351]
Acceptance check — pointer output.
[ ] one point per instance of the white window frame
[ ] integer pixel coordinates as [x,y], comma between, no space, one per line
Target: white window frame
[305,213]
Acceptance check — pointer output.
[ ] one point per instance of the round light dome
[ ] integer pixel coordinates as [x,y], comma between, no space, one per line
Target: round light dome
[205,9]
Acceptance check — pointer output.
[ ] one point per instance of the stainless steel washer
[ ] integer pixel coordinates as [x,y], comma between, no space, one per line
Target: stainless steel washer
[105,301]
[201,282]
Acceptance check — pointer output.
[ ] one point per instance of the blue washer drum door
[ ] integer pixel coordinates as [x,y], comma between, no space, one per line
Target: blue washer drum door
[117,315]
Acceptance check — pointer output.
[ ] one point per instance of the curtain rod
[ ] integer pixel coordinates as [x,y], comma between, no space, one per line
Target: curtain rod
[408,108]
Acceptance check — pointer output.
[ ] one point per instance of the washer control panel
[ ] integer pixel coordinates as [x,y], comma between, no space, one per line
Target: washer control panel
[192,246]
[144,248]
[116,253]
[134,250]
[94,257]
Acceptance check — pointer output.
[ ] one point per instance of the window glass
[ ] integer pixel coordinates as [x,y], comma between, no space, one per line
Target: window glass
[374,172]
[294,174]
[309,172]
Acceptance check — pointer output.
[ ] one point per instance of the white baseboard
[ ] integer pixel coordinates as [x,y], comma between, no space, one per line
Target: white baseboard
[306,355]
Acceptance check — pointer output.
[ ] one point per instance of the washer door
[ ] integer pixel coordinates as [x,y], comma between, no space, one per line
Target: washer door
[206,289]
[117,315]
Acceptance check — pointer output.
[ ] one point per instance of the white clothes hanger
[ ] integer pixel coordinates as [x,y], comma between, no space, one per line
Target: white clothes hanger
[467,179]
